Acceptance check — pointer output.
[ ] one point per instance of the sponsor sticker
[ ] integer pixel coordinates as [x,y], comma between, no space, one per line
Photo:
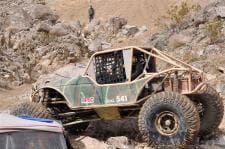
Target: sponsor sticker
[88,100]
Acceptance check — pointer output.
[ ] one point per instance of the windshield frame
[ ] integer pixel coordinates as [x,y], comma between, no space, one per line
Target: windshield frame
[23,139]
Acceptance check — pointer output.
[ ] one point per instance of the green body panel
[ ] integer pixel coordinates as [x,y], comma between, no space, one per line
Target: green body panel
[78,86]
[82,91]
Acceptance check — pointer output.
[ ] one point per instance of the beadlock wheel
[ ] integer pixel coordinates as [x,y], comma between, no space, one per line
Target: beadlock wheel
[169,119]
[167,123]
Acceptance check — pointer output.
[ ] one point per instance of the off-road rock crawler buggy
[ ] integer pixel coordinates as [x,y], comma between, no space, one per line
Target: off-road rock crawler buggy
[170,98]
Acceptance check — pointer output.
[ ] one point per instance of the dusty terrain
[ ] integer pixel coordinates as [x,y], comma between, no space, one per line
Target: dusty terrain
[10,97]
[137,12]
[57,39]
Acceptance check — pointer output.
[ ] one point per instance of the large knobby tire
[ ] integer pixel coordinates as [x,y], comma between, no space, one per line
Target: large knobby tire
[212,111]
[182,115]
[30,109]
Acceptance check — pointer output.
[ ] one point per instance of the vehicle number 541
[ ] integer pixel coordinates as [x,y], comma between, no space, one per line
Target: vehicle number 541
[121,99]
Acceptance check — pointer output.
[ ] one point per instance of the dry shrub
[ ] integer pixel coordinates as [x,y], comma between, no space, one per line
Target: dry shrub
[178,12]
[214,30]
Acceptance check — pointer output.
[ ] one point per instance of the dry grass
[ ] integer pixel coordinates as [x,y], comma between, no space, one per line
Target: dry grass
[214,30]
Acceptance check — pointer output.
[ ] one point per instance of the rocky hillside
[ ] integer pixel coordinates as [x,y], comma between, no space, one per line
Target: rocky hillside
[38,37]
[137,12]
[198,40]
[34,41]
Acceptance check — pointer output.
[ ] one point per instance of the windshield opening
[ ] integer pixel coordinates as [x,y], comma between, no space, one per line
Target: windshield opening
[32,140]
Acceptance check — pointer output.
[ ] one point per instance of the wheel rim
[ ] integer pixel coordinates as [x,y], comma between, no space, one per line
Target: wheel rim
[167,123]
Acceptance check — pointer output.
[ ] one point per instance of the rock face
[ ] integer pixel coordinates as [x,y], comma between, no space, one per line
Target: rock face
[19,19]
[122,134]
[119,142]
[130,30]
[43,27]
[34,41]
[90,143]
[95,46]
[43,12]
[177,40]
[220,11]
[191,41]
[159,40]
[59,29]
[85,142]
[116,23]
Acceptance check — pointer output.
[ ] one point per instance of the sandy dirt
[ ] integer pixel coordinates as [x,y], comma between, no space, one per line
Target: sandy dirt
[9,97]
[137,12]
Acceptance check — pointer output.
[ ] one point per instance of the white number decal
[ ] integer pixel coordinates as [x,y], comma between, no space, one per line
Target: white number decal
[118,99]
[121,99]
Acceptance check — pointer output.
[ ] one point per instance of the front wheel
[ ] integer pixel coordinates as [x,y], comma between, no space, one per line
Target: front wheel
[169,119]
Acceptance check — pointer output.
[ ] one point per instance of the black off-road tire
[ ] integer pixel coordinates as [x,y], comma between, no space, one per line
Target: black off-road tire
[187,115]
[30,109]
[213,109]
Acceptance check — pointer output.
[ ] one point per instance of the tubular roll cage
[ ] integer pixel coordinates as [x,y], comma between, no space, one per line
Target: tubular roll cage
[178,66]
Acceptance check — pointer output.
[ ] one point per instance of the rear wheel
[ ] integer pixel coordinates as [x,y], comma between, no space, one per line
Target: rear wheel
[169,119]
[211,109]
[30,109]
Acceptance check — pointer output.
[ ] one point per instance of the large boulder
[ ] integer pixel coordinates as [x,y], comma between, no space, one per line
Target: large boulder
[119,142]
[43,27]
[19,19]
[59,29]
[116,23]
[220,11]
[178,40]
[45,63]
[106,45]
[85,142]
[158,40]
[95,45]
[76,25]
[130,30]
[43,12]
[213,10]
[142,30]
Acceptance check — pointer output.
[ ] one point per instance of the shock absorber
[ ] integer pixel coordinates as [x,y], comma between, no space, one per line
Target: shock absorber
[175,82]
